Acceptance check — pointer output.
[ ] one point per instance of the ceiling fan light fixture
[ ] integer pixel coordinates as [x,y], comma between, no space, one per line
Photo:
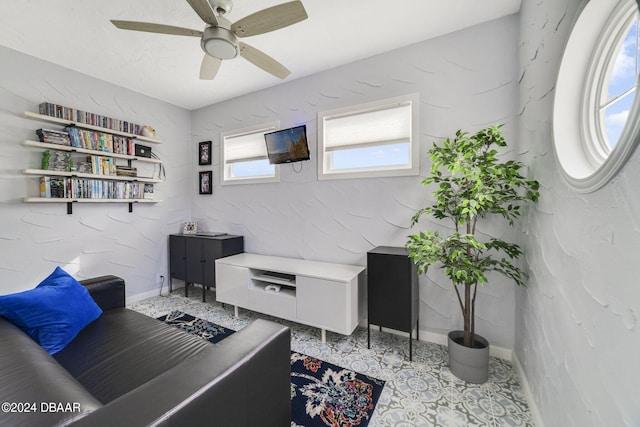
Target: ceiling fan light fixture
[220,43]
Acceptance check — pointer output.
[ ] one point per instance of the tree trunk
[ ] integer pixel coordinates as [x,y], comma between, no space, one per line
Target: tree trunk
[467,315]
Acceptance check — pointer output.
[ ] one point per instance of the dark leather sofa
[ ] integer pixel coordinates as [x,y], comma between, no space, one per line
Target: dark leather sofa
[127,369]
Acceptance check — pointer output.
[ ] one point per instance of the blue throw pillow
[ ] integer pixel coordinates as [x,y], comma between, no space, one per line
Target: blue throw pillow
[53,312]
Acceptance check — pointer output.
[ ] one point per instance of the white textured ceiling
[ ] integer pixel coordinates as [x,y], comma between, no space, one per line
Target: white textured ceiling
[78,35]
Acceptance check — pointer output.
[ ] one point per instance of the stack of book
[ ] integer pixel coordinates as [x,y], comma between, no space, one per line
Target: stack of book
[126,171]
[57,161]
[51,136]
[83,167]
[71,114]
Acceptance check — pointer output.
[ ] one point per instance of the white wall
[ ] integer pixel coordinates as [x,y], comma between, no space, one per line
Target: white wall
[465,80]
[577,332]
[98,238]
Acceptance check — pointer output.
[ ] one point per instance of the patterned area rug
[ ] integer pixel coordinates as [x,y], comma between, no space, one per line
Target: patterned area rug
[322,394]
[202,328]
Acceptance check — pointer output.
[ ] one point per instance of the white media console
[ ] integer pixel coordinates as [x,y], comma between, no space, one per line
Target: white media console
[319,294]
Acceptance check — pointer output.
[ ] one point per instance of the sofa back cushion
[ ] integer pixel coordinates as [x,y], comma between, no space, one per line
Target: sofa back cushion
[124,349]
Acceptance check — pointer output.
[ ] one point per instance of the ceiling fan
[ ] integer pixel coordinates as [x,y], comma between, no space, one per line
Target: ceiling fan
[219,39]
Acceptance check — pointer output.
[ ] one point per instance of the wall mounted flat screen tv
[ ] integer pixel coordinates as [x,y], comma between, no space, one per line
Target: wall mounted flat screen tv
[287,145]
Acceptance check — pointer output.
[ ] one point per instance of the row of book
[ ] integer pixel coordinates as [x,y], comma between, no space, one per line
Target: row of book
[88,139]
[71,114]
[92,140]
[53,160]
[102,165]
[85,188]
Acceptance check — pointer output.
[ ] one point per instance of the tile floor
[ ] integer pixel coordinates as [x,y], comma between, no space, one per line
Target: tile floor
[418,393]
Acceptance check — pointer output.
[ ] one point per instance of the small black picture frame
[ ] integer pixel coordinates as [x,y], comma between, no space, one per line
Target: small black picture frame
[205,182]
[204,153]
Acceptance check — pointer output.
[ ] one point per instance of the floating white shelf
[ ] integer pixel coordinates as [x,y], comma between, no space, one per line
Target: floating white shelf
[48,146]
[44,172]
[85,200]
[63,122]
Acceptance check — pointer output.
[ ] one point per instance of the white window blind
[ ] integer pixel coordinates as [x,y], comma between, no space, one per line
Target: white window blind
[244,156]
[245,147]
[379,138]
[386,126]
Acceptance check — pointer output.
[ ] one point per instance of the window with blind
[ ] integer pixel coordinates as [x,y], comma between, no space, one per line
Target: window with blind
[244,156]
[370,140]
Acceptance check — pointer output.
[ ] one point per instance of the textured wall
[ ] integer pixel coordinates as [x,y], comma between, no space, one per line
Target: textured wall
[465,80]
[98,238]
[577,324]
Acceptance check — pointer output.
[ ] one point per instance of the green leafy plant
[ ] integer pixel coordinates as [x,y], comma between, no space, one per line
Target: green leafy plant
[472,184]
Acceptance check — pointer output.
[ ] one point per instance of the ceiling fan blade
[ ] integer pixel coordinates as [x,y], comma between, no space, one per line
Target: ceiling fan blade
[270,19]
[209,67]
[148,27]
[204,11]
[264,61]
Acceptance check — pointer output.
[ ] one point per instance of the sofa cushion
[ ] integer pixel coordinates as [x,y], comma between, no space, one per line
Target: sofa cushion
[53,312]
[124,349]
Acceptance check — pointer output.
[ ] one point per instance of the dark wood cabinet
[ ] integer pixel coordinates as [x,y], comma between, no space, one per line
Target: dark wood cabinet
[192,258]
[392,291]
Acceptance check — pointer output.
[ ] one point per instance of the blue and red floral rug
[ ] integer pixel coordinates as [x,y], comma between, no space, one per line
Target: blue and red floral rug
[322,394]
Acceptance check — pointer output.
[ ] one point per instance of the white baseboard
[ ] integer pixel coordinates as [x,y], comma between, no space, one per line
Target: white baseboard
[535,413]
[442,339]
[152,293]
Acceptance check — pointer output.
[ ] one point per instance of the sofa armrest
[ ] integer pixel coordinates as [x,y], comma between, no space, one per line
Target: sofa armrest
[32,378]
[107,291]
[244,380]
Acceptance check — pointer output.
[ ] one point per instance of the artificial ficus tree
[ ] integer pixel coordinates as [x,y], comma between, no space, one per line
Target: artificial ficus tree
[472,184]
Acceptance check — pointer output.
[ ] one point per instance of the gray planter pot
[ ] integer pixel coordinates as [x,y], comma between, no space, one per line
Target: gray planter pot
[467,363]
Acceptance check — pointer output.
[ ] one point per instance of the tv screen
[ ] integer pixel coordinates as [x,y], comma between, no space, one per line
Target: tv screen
[287,145]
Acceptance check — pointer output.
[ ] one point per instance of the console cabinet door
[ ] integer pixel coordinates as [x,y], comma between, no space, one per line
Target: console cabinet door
[327,304]
[211,250]
[177,257]
[232,284]
[194,271]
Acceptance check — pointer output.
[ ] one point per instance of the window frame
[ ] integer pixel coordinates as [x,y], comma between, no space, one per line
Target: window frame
[412,168]
[226,177]
[608,48]
[579,129]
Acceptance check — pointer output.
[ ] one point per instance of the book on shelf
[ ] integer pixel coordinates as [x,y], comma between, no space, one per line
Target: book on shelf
[148,191]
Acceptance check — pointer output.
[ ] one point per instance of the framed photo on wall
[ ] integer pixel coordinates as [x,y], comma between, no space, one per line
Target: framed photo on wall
[206,182]
[204,153]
